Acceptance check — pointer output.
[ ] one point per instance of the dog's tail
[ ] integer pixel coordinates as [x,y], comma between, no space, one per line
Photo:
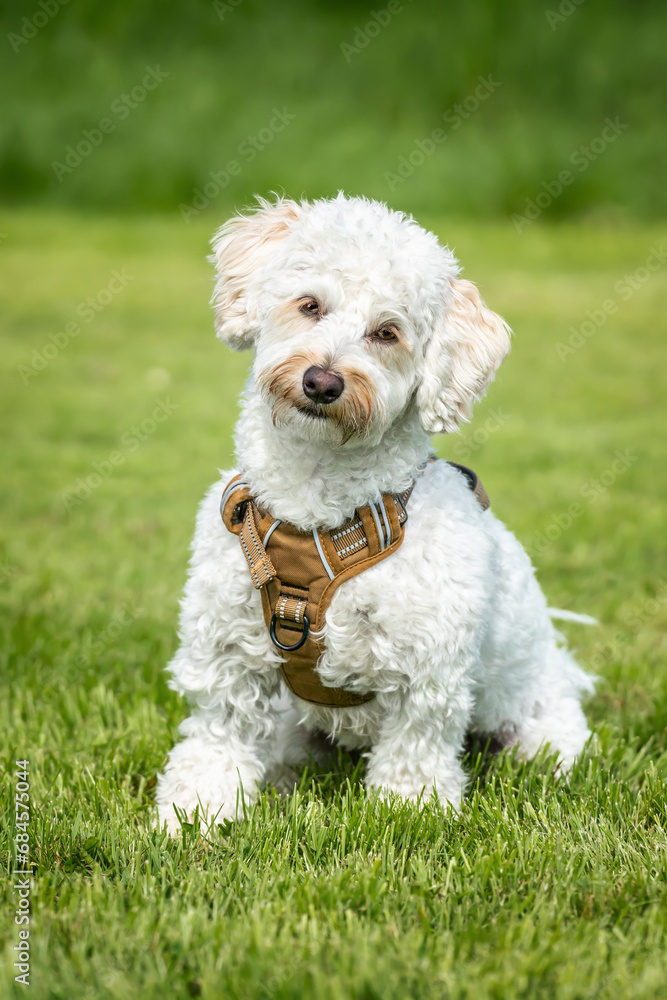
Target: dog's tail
[560,615]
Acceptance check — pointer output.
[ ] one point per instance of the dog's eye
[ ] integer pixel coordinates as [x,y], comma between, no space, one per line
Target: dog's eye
[386,335]
[310,307]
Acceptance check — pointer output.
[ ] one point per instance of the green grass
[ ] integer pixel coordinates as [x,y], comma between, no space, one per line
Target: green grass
[538,888]
[355,114]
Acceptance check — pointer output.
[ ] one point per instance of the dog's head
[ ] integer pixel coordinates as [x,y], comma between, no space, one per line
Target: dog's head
[354,311]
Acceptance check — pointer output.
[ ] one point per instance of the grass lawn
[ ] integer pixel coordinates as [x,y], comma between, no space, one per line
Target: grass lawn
[111,434]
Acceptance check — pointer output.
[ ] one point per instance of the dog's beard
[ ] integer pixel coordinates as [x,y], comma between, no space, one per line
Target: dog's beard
[353,415]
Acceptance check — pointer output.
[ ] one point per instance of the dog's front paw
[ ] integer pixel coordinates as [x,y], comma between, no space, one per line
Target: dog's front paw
[203,779]
[178,806]
[415,783]
[173,817]
[171,821]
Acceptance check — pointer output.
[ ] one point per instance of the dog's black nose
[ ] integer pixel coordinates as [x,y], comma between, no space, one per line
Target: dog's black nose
[322,386]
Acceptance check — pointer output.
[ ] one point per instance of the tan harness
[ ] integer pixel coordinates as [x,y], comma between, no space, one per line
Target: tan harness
[298,579]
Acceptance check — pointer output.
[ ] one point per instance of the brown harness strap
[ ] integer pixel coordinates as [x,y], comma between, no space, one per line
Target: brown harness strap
[297,581]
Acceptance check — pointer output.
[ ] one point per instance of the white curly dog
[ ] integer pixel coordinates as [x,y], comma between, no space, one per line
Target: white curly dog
[452,631]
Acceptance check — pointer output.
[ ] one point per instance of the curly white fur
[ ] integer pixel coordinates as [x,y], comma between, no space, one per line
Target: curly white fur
[452,631]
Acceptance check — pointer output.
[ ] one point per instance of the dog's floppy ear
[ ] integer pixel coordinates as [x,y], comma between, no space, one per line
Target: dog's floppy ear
[460,359]
[239,248]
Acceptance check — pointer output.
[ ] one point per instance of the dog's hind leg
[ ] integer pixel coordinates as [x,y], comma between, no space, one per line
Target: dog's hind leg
[547,713]
[529,687]
[556,718]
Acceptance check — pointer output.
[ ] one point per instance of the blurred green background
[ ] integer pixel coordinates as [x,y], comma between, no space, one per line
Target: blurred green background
[363,88]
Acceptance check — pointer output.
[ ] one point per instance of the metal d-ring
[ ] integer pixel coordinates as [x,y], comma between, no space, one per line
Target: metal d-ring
[278,643]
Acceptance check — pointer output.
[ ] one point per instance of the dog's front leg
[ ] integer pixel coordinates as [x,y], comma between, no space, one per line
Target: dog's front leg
[224,754]
[419,745]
